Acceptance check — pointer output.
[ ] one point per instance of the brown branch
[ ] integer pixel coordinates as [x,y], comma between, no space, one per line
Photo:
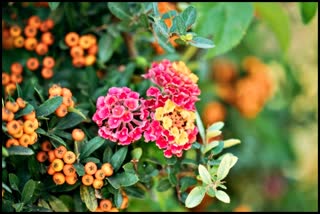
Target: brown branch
[130,44]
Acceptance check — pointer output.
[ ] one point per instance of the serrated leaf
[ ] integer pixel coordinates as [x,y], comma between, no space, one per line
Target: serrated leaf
[120,10]
[19,150]
[222,196]
[118,158]
[70,120]
[163,185]
[274,15]
[14,181]
[105,48]
[189,16]
[28,191]
[179,25]
[204,174]
[227,162]
[57,205]
[136,153]
[308,11]
[195,196]
[88,197]
[231,142]
[200,126]
[53,5]
[26,110]
[201,42]
[49,106]
[91,146]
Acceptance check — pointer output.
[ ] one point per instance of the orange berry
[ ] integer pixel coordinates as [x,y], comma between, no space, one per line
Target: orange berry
[78,135]
[124,203]
[18,135]
[114,209]
[50,170]
[13,127]
[93,50]
[76,51]
[99,210]
[72,104]
[25,140]
[12,106]
[60,151]
[107,169]
[51,156]
[30,43]
[33,138]
[78,62]
[30,31]
[97,184]
[30,116]
[57,164]
[72,39]
[44,27]
[69,157]
[67,101]
[47,38]
[35,124]
[62,110]
[7,114]
[105,205]
[18,42]
[50,23]
[46,146]
[71,179]
[90,60]
[33,64]
[66,92]
[41,49]
[28,127]
[5,78]
[47,73]
[55,90]
[10,88]
[12,142]
[87,180]
[42,156]
[48,62]
[34,21]
[85,42]
[21,103]
[59,178]
[93,39]
[99,174]
[16,68]
[69,170]
[90,168]
[15,31]
[16,78]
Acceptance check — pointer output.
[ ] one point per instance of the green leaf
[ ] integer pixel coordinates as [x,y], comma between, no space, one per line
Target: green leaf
[172,176]
[134,191]
[162,27]
[211,191]
[128,167]
[118,199]
[207,147]
[120,10]
[49,106]
[178,22]
[308,11]
[28,191]
[118,158]
[63,134]
[200,126]
[88,197]
[91,159]
[20,150]
[163,42]
[77,111]
[163,185]
[215,126]
[5,187]
[204,174]
[217,19]
[274,15]
[53,5]
[19,92]
[105,48]
[227,162]
[4,152]
[155,9]
[171,161]
[222,196]
[26,110]
[136,153]
[216,150]
[54,138]
[14,181]
[231,142]
[195,196]
[189,16]
[79,168]
[186,182]
[123,179]
[201,42]
[107,154]
[18,206]
[70,120]
[91,146]
[57,205]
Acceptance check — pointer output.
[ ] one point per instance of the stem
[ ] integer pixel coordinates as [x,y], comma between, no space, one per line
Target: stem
[76,150]
[130,44]
[190,52]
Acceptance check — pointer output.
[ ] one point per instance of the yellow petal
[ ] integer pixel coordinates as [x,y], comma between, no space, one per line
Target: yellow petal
[183,138]
[167,122]
[159,114]
[169,106]
[174,131]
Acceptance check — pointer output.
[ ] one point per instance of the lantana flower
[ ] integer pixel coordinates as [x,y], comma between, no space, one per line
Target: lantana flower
[121,115]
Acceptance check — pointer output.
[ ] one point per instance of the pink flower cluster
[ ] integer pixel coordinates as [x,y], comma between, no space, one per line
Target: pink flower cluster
[121,115]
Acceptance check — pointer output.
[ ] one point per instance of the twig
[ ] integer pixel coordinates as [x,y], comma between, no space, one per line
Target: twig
[130,44]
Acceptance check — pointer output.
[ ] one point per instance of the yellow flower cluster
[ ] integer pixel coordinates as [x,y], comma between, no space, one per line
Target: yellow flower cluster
[181,67]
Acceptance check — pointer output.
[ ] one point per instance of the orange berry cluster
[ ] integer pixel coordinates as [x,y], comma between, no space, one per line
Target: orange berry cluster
[9,80]
[105,205]
[21,130]
[57,90]
[83,49]
[94,176]
[61,163]
[48,63]
[12,36]
[248,93]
